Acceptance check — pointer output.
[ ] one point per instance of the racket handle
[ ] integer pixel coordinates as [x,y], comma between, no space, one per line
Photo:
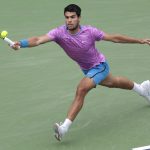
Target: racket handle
[9,41]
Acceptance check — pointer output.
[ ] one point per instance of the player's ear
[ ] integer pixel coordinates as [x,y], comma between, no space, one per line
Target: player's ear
[79,18]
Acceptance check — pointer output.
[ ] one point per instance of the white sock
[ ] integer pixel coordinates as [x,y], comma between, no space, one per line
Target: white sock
[67,123]
[138,89]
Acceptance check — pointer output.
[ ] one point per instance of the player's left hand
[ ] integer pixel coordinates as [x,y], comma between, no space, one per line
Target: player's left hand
[146,41]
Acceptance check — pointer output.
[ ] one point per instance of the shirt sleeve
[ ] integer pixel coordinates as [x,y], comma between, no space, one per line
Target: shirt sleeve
[97,34]
[53,34]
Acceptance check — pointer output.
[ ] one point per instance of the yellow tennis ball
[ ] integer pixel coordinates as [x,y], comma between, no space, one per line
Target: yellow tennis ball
[4,34]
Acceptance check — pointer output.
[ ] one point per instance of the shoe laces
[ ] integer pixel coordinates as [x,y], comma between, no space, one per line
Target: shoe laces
[60,123]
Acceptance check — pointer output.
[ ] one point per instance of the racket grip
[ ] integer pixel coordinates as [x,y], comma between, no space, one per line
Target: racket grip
[9,41]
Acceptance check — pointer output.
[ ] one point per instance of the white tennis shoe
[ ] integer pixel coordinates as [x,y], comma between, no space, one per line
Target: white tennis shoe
[146,89]
[59,131]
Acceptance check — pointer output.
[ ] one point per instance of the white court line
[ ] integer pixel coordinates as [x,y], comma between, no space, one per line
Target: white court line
[142,148]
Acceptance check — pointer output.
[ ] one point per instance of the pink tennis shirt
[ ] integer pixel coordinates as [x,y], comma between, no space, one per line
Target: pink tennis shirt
[80,46]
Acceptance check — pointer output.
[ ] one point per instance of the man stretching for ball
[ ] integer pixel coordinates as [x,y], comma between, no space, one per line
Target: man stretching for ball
[79,44]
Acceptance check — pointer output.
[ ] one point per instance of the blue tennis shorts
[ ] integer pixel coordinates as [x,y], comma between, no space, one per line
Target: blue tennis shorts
[98,73]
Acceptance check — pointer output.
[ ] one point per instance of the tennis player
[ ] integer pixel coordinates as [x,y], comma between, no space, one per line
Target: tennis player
[78,42]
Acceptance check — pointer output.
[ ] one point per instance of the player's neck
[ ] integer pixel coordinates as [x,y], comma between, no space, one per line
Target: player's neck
[75,30]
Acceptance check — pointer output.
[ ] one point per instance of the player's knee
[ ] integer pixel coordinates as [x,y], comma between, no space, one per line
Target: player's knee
[114,83]
[110,85]
[82,90]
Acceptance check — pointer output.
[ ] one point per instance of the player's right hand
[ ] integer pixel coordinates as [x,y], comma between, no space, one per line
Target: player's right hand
[15,46]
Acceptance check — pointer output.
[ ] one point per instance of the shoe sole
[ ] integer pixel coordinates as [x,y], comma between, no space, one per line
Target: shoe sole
[148,90]
[57,135]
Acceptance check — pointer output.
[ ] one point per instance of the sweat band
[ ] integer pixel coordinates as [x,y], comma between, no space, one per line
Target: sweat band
[24,43]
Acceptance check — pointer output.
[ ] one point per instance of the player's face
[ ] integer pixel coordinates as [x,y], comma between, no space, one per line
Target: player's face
[72,21]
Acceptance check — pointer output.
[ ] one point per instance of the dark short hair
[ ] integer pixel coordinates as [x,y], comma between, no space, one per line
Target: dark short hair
[73,8]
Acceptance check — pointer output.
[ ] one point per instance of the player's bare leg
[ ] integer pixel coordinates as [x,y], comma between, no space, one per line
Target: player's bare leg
[142,89]
[83,88]
[117,82]
[85,85]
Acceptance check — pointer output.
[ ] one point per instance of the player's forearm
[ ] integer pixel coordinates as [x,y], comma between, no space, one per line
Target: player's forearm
[31,42]
[34,41]
[125,39]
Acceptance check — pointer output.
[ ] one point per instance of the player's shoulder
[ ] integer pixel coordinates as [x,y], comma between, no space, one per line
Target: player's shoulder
[91,29]
[84,27]
[88,28]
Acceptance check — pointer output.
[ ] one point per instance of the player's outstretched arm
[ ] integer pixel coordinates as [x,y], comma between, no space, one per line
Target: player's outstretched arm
[31,42]
[117,38]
